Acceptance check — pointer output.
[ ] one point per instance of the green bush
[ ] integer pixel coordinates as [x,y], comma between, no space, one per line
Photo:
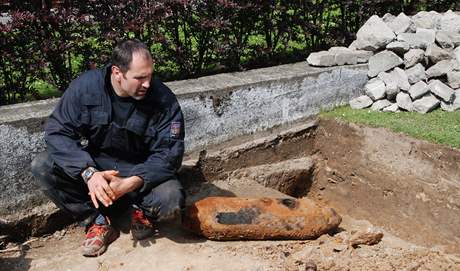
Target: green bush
[188,38]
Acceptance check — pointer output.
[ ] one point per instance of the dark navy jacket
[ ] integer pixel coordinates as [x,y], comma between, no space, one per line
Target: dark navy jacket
[149,145]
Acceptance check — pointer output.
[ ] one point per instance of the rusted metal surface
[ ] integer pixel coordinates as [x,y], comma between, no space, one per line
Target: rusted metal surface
[231,218]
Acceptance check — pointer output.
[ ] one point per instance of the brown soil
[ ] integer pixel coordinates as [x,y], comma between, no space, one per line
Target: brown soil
[405,188]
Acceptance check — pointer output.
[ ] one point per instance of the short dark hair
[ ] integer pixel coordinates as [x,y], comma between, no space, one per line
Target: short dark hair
[122,54]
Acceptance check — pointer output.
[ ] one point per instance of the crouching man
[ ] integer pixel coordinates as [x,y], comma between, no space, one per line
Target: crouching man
[115,141]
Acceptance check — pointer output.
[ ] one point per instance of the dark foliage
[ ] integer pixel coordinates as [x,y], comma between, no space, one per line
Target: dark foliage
[188,38]
[21,62]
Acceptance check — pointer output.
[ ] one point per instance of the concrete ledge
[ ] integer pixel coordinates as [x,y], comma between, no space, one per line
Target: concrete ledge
[216,108]
[220,107]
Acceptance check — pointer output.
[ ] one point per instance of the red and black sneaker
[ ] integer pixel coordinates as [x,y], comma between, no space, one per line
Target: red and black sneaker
[141,227]
[98,238]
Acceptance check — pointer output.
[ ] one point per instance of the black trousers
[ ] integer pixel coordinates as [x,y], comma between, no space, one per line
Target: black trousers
[163,202]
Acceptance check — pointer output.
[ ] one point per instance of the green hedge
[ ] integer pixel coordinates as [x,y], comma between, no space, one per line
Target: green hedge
[44,49]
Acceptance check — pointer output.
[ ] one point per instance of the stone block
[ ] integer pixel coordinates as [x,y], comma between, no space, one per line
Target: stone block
[416,73]
[419,40]
[447,39]
[426,104]
[418,90]
[444,40]
[457,55]
[353,45]
[456,67]
[392,108]
[339,49]
[342,58]
[361,102]
[424,19]
[454,105]
[383,61]
[232,218]
[385,77]
[369,237]
[450,21]
[391,85]
[455,37]
[404,101]
[415,41]
[429,35]
[402,24]
[441,68]
[346,55]
[413,56]
[375,89]
[321,59]
[436,54]
[374,35]
[399,47]
[453,79]
[5,18]
[401,78]
[380,105]
[388,18]
[441,90]
[363,55]
[450,107]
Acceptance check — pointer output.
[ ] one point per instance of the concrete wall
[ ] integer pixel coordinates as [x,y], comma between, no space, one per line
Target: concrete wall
[216,108]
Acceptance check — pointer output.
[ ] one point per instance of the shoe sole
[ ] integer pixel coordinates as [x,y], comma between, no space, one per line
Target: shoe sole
[143,235]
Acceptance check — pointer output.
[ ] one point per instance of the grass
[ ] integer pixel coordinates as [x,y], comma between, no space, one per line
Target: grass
[438,126]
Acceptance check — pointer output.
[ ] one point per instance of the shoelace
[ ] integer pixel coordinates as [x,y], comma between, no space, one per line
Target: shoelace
[138,215]
[96,230]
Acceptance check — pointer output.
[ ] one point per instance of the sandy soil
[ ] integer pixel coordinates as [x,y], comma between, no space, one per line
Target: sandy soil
[176,249]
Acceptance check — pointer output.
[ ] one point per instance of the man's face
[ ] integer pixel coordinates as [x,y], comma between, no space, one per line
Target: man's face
[135,82]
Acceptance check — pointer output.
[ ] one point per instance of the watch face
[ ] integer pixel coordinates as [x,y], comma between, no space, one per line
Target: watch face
[88,173]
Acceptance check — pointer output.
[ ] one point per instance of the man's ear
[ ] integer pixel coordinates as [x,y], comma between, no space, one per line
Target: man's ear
[116,72]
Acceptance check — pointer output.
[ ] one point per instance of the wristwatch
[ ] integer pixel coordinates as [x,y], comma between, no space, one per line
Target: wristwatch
[88,173]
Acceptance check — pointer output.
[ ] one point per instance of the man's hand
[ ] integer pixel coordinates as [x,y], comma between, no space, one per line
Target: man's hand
[121,186]
[99,188]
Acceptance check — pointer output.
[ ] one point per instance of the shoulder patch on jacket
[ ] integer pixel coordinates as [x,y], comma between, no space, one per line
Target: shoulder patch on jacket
[175,129]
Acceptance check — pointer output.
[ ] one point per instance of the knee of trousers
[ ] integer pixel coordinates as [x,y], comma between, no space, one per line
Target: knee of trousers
[67,194]
[165,201]
[42,169]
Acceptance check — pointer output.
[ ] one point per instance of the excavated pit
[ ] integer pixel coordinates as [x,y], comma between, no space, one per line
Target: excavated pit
[408,187]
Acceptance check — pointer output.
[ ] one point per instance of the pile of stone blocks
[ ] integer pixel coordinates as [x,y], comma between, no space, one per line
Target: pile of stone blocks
[414,62]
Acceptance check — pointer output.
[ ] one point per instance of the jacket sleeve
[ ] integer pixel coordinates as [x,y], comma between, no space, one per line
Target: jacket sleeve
[166,152]
[62,135]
